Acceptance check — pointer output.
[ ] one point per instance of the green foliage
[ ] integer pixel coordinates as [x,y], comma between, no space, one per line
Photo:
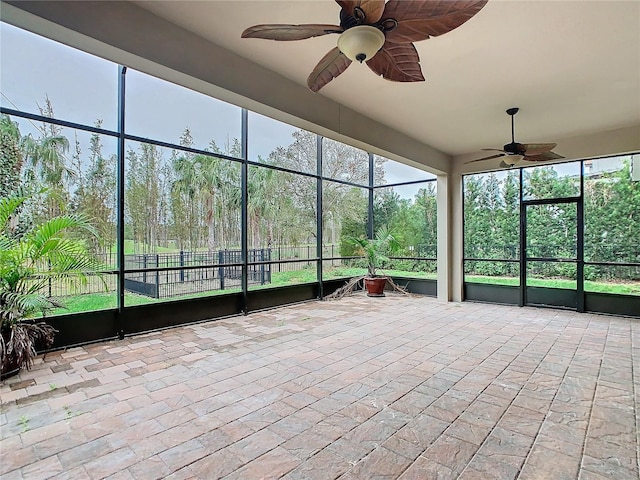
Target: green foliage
[545,182]
[611,213]
[24,423]
[351,229]
[413,221]
[612,217]
[11,156]
[491,217]
[28,261]
[94,195]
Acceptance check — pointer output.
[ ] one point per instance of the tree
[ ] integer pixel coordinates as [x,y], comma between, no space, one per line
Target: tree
[183,206]
[385,207]
[47,164]
[612,221]
[509,217]
[208,186]
[426,209]
[264,205]
[355,223]
[142,195]
[296,211]
[11,156]
[475,216]
[95,196]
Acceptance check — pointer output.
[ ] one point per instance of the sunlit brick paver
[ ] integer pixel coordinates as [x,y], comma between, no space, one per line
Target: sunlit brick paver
[396,387]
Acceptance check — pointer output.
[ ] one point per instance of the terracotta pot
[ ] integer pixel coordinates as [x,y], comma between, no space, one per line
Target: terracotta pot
[375,286]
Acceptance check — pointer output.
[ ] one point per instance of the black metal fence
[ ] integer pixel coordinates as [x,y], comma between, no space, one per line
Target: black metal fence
[166,275]
[600,261]
[595,252]
[173,274]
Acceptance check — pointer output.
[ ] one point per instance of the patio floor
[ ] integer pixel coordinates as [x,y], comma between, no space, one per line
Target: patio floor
[361,388]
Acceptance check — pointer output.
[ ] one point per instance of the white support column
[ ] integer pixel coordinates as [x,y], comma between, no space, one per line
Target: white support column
[450,247]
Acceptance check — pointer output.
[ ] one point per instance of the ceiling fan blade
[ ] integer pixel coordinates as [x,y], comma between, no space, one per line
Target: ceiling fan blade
[331,65]
[532,149]
[543,157]
[284,32]
[421,19]
[372,9]
[397,62]
[490,157]
[493,150]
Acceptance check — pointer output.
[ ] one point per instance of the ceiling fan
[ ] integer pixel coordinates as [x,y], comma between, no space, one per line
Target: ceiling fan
[515,152]
[379,33]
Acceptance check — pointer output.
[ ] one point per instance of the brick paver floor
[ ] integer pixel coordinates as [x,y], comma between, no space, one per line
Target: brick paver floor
[361,388]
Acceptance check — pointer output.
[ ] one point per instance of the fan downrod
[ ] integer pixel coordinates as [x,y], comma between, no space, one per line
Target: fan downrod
[512,148]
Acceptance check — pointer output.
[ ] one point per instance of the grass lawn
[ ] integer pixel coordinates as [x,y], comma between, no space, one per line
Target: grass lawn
[589,286]
[102,301]
[98,301]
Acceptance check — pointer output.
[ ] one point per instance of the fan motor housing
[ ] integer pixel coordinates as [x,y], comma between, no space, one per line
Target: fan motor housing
[347,21]
[514,148]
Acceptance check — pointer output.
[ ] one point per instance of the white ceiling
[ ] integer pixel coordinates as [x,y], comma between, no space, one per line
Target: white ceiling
[573,67]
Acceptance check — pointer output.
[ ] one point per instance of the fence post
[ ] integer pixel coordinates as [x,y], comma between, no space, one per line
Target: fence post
[221,268]
[269,270]
[262,266]
[279,258]
[157,276]
[144,265]
[182,265]
[169,275]
[333,255]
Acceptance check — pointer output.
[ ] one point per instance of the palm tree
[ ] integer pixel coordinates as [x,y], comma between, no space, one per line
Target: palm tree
[28,262]
[208,183]
[46,157]
[183,201]
[263,195]
[212,181]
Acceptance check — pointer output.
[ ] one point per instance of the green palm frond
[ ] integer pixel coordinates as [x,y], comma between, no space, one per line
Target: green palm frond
[19,305]
[51,229]
[8,207]
[42,254]
[375,250]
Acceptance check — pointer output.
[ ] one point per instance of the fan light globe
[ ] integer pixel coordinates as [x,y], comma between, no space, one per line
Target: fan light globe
[512,159]
[360,43]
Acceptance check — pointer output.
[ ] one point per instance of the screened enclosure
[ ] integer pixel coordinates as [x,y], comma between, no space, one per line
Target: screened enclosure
[200,208]
[562,235]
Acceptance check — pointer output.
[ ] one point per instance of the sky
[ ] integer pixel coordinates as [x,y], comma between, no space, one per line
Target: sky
[83,88]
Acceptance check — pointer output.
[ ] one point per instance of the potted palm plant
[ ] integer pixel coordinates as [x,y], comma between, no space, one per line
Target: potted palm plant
[30,257]
[375,251]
